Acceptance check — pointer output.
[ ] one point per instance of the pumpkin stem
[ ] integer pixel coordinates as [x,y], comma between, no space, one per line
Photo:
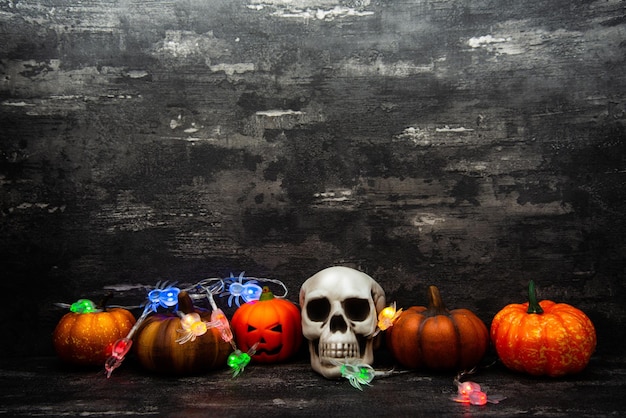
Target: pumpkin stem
[435,303]
[185,304]
[266,294]
[533,305]
[104,301]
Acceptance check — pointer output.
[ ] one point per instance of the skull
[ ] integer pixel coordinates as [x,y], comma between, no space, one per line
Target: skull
[340,307]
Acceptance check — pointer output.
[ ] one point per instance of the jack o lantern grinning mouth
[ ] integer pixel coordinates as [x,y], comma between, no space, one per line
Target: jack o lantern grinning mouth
[271,352]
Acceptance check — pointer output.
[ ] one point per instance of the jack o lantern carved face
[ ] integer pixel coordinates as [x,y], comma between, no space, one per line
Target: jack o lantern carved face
[267,334]
[272,324]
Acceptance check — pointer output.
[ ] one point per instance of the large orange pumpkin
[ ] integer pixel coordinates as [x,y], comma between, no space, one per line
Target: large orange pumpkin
[543,338]
[157,350]
[272,324]
[86,338]
[436,338]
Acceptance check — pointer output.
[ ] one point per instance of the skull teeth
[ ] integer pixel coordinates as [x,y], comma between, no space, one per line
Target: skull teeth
[339,350]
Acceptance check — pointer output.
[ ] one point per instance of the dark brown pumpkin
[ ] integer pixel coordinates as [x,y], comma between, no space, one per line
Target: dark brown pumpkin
[437,338]
[157,350]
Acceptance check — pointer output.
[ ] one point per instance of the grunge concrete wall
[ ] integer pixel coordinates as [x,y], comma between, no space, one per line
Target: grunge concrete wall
[471,144]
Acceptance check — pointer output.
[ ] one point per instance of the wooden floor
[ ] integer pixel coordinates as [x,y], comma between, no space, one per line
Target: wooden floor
[41,386]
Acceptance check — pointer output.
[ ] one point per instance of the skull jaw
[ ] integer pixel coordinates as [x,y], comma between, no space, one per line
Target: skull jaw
[328,364]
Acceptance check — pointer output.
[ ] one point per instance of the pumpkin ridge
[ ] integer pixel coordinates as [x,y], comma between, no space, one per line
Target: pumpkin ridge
[551,363]
[459,348]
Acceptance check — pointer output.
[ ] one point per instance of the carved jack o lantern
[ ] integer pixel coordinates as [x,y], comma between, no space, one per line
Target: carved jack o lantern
[272,324]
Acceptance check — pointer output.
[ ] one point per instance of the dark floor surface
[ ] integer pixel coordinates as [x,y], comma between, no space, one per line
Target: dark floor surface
[42,386]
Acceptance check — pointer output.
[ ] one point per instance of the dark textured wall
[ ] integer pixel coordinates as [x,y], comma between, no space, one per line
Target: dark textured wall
[471,144]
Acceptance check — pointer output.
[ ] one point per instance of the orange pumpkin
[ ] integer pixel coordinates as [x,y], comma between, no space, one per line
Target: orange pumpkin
[273,324]
[543,338]
[437,338]
[157,350]
[86,338]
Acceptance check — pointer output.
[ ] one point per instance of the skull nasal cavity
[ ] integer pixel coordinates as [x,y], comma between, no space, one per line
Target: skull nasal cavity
[337,324]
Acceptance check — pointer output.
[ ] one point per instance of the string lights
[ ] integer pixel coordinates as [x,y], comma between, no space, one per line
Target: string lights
[165,297]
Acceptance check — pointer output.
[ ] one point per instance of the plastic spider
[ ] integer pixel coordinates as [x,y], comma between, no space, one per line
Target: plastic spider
[83,306]
[471,392]
[358,374]
[163,295]
[238,289]
[238,360]
[193,326]
[388,316]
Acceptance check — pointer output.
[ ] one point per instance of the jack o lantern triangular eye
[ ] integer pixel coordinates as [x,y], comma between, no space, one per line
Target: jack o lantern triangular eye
[251,328]
[277,328]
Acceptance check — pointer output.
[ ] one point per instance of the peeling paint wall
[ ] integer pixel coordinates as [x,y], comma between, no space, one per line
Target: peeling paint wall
[470,144]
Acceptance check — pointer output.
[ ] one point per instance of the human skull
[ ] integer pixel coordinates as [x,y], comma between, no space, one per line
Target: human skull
[340,308]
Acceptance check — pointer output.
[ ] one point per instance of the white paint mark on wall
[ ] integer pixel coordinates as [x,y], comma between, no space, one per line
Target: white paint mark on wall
[137,73]
[231,69]
[37,206]
[415,135]
[427,219]
[16,104]
[465,166]
[180,46]
[321,14]
[274,113]
[312,9]
[500,45]
[454,130]
[427,137]
[175,123]
[339,195]
[354,67]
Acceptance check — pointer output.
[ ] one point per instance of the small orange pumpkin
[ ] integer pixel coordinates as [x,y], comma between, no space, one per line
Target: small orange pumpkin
[157,350]
[273,324]
[86,338]
[543,338]
[437,338]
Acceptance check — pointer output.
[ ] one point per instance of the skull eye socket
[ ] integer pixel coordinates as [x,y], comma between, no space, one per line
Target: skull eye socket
[318,309]
[356,309]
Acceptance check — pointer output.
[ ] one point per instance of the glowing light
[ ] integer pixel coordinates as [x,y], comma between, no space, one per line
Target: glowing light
[165,297]
[238,289]
[119,351]
[466,388]
[83,306]
[219,320]
[358,374]
[251,291]
[169,297]
[388,316]
[237,361]
[478,398]
[193,326]
[471,393]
